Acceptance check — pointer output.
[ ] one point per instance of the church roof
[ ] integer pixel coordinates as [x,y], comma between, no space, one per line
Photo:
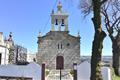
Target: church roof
[58,32]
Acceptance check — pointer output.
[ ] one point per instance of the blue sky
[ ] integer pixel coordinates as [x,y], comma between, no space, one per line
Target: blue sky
[25,18]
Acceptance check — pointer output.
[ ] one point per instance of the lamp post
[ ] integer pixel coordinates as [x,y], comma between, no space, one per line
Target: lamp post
[43,72]
[75,71]
[60,74]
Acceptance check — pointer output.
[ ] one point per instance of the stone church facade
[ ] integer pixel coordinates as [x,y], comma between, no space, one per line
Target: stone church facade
[58,43]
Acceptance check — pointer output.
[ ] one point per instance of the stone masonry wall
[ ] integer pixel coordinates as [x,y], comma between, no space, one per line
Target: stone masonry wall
[57,43]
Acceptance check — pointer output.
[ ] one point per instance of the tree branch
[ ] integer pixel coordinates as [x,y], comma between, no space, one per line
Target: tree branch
[102,2]
[115,21]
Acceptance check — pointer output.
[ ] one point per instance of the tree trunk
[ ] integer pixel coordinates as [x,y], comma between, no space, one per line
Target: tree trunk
[116,54]
[97,42]
[96,55]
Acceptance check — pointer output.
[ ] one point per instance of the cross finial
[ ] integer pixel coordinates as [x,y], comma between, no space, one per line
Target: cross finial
[10,35]
[59,6]
[52,11]
[59,2]
[40,34]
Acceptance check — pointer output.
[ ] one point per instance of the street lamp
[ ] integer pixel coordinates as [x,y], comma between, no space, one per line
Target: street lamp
[43,72]
[75,66]
[75,71]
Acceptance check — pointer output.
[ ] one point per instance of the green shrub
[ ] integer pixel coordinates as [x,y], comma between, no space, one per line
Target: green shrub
[47,72]
[72,72]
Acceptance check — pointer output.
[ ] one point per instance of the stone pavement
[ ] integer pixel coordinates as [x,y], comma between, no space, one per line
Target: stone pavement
[55,75]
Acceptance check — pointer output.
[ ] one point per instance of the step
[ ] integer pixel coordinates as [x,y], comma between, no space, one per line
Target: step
[55,75]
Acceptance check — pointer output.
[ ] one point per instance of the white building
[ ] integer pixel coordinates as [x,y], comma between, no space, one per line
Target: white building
[4,52]
[9,52]
[31,57]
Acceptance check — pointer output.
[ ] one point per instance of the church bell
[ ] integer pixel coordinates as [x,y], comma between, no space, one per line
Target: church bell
[56,21]
[62,22]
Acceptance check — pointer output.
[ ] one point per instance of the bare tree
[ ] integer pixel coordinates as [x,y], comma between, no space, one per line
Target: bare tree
[111,15]
[11,55]
[110,11]
[95,6]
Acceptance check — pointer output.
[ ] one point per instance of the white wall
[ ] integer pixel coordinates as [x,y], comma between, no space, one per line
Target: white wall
[106,73]
[5,53]
[30,57]
[83,71]
[3,50]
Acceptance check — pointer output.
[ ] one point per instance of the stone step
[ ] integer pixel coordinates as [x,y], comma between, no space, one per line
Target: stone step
[55,75]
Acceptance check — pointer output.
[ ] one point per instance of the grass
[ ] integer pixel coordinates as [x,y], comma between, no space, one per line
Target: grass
[116,78]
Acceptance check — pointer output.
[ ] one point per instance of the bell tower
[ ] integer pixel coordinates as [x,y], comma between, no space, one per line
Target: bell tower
[59,19]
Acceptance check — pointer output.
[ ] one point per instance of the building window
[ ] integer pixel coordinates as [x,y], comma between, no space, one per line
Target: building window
[61,46]
[58,46]
[0,58]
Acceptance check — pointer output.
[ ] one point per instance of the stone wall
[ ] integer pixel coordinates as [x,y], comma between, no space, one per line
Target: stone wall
[56,43]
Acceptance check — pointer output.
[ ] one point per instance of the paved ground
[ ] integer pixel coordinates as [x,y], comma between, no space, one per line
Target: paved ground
[55,75]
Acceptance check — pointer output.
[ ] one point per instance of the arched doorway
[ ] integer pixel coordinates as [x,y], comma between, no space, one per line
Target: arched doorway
[59,62]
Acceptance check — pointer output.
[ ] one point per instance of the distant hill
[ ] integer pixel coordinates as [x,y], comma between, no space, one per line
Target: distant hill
[107,59]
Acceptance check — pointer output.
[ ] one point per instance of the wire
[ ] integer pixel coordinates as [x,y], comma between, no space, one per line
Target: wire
[44,28]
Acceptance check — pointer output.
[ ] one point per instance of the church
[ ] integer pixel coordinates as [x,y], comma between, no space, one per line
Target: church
[58,42]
